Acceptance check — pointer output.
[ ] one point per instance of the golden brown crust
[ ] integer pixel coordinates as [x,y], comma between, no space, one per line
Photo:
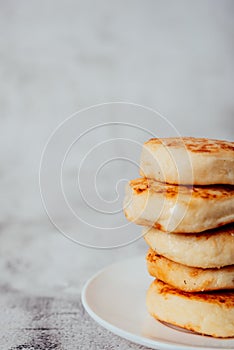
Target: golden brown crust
[201,145]
[225,230]
[141,185]
[224,298]
[189,279]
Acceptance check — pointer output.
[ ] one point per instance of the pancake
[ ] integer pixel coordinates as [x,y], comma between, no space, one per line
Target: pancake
[178,208]
[210,313]
[188,160]
[189,279]
[210,249]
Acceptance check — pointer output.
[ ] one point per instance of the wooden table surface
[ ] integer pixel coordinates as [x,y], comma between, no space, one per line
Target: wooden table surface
[42,274]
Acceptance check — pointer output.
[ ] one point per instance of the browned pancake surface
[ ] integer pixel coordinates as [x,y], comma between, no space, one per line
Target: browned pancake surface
[140,185]
[224,298]
[187,278]
[201,145]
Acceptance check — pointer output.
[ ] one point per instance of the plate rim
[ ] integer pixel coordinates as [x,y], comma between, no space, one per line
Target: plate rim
[136,339]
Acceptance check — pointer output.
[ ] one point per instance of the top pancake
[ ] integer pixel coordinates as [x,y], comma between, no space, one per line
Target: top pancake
[188,160]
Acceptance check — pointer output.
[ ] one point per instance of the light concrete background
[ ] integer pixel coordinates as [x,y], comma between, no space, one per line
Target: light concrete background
[57,57]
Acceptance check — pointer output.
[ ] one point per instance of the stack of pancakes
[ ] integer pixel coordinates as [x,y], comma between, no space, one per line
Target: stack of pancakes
[185,200]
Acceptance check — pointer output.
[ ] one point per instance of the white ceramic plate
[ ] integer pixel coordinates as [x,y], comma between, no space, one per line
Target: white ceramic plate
[115,298]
